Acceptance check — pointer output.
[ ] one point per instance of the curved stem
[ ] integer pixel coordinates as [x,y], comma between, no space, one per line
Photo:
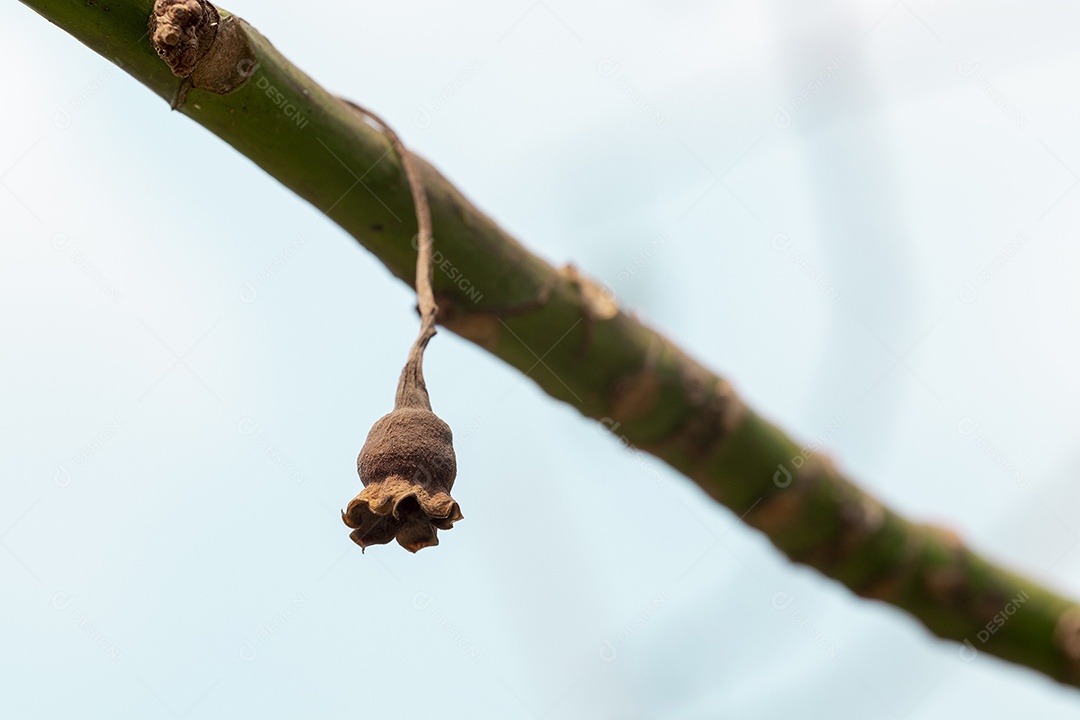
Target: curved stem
[412,391]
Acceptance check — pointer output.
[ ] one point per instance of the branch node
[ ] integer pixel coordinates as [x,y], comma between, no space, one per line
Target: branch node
[208,51]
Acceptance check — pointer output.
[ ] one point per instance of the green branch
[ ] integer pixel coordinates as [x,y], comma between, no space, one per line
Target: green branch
[609,366]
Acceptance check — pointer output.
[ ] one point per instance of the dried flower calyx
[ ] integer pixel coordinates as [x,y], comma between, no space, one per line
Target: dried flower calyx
[407,464]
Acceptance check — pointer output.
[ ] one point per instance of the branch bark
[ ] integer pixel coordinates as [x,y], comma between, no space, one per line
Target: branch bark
[608,365]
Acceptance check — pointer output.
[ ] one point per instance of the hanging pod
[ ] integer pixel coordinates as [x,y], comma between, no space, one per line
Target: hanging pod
[407,464]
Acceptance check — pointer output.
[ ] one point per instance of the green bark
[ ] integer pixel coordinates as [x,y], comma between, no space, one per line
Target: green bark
[604,362]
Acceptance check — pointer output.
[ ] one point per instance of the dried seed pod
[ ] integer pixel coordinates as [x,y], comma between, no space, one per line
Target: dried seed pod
[408,468]
[407,464]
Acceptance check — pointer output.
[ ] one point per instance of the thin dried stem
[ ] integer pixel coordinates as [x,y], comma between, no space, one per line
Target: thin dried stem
[412,392]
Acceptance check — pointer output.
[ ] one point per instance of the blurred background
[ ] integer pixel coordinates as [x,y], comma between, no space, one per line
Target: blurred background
[862,213]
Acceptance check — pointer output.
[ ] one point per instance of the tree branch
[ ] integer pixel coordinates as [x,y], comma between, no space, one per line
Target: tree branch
[609,366]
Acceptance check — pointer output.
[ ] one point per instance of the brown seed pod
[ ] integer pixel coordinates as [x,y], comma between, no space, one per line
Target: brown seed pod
[407,464]
[408,468]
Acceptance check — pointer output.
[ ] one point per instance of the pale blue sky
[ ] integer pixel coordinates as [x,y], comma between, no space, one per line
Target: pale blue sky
[861,213]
